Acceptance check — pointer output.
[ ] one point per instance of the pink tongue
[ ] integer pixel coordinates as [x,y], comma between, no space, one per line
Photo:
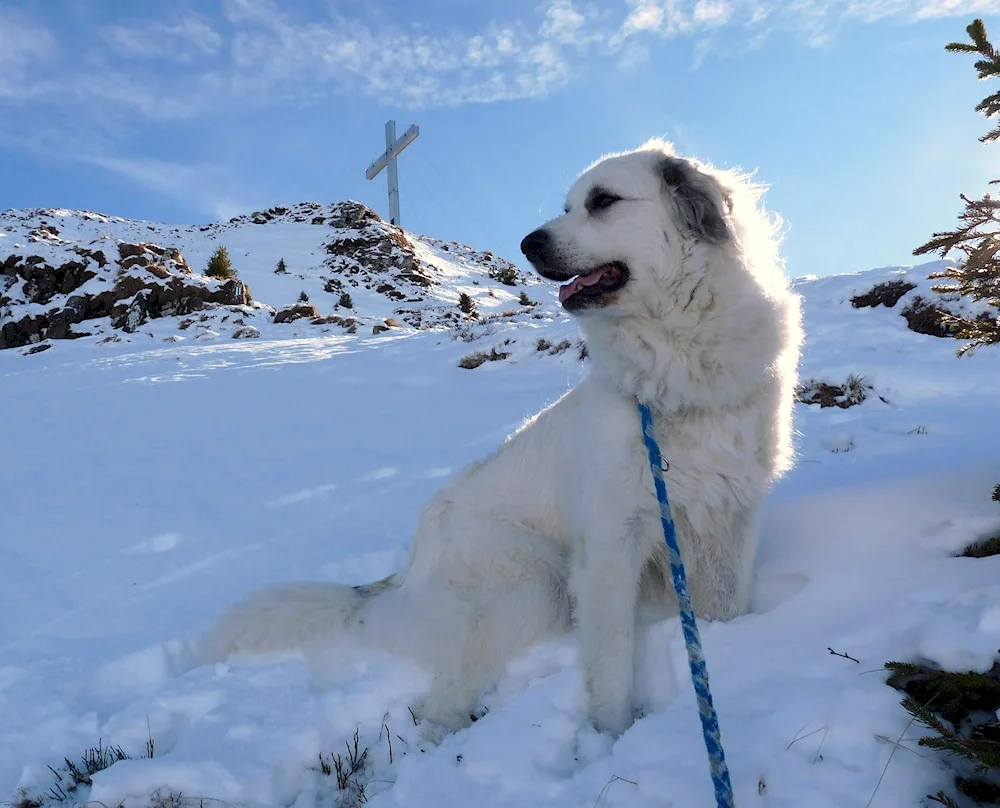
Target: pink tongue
[575,285]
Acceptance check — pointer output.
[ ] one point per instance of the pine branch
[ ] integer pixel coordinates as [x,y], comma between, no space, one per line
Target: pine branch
[904,668]
[984,755]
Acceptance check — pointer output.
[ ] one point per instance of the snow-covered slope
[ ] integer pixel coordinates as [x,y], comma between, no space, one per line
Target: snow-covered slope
[149,484]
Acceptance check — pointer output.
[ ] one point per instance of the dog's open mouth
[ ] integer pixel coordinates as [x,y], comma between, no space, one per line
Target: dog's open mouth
[589,288]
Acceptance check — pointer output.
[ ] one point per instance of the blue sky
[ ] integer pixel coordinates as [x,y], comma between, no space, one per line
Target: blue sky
[183,111]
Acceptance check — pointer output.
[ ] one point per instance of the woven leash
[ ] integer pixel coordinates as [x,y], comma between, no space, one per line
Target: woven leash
[696,658]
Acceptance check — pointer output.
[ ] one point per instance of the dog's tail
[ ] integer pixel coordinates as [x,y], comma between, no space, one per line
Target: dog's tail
[295,617]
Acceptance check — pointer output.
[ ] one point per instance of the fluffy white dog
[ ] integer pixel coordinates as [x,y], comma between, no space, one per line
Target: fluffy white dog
[673,273]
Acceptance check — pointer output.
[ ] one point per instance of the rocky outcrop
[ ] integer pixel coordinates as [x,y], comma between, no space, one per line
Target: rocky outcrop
[294,312]
[366,250]
[146,281]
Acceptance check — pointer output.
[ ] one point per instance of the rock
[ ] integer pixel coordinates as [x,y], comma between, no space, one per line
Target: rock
[352,215]
[126,250]
[294,312]
[42,282]
[246,332]
[128,316]
[177,296]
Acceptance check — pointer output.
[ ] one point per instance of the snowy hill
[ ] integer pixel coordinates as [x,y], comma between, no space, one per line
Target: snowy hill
[64,274]
[149,483]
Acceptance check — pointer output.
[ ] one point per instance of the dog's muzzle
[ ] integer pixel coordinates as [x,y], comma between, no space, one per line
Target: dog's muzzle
[590,288]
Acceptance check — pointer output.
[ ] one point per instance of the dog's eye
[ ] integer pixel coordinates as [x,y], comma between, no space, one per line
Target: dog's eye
[603,201]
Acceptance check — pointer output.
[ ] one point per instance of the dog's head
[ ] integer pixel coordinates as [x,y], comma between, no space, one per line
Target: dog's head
[630,222]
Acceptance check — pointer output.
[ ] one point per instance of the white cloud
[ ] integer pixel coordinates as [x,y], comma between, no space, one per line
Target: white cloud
[950,8]
[712,12]
[645,15]
[182,41]
[563,23]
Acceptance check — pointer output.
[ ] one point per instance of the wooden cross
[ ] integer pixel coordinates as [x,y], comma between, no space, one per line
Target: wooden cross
[393,148]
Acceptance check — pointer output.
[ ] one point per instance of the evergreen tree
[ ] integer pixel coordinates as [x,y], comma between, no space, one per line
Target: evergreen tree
[977,276]
[281,269]
[303,297]
[466,303]
[345,301]
[219,265]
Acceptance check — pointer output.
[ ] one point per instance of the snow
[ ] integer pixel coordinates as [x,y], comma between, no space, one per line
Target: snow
[148,484]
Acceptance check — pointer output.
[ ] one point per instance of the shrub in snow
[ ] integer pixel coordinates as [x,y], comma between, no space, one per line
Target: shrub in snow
[474,360]
[925,318]
[466,303]
[345,301]
[281,269]
[507,275]
[960,710]
[852,392]
[978,234]
[219,265]
[882,294]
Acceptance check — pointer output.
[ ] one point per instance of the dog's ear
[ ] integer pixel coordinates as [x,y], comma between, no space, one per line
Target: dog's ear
[689,190]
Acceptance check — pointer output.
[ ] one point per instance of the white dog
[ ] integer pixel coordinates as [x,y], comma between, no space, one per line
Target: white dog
[673,274]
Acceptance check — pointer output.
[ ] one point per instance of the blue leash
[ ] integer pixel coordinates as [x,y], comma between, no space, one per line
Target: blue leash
[696,658]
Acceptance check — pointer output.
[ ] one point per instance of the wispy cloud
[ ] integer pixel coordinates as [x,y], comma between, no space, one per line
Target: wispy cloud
[181,41]
[199,184]
[259,52]
[22,42]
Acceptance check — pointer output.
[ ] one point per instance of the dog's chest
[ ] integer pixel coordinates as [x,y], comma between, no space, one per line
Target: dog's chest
[707,457]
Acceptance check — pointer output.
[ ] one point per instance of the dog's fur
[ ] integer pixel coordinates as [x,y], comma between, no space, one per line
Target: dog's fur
[560,526]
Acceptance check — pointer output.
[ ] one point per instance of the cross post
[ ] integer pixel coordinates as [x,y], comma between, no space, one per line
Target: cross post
[387,160]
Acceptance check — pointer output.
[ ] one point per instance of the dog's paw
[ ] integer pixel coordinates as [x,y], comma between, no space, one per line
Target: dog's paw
[611,720]
[440,712]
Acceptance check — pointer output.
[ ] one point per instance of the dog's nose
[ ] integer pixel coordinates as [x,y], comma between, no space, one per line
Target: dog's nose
[535,245]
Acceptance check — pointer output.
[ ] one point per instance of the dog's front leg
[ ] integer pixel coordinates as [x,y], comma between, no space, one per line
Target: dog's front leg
[605,587]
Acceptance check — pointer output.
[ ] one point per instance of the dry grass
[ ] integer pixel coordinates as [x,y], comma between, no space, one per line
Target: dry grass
[349,770]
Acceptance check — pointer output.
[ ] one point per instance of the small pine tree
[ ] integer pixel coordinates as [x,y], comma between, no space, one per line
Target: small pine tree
[978,235]
[345,301]
[524,300]
[303,297]
[219,265]
[466,303]
[281,269]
